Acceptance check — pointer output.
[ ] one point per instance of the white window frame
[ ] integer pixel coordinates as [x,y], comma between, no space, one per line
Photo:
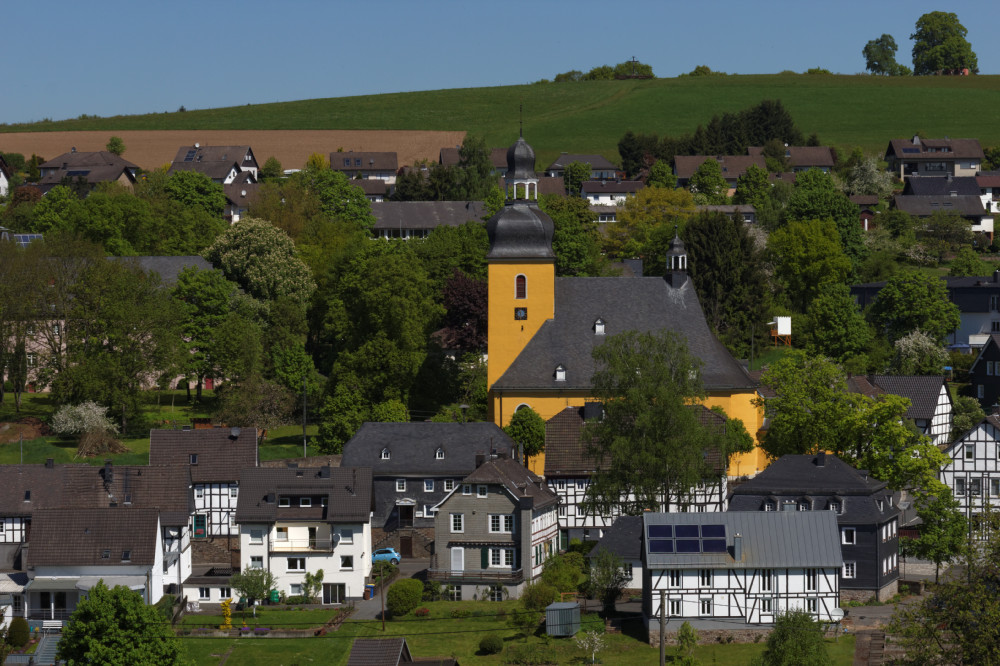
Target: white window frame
[305,502]
[970,451]
[765,605]
[850,570]
[225,592]
[705,606]
[482,491]
[400,485]
[256,562]
[234,491]
[704,578]
[449,485]
[561,512]
[256,536]
[675,608]
[295,589]
[428,485]
[457,519]
[284,502]
[846,540]
[960,486]
[281,534]
[812,605]
[204,593]
[466,489]
[347,535]
[561,483]
[347,563]
[674,578]
[811,580]
[199,493]
[386,454]
[439,454]
[766,580]
[292,564]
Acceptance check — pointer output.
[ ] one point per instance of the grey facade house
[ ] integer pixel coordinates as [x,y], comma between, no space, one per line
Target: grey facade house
[414,467]
[624,540]
[934,157]
[984,375]
[866,513]
[493,532]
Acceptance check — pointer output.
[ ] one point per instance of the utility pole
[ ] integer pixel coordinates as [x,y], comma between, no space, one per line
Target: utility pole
[381,590]
[663,627]
[304,454]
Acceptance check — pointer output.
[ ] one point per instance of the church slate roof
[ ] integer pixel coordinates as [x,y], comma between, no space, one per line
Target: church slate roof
[520,231]
[413,447]
[643,304]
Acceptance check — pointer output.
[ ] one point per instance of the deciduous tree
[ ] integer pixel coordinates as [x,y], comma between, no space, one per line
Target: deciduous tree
[816,197]
[939,44]
[254,584]
[574,176]
[527,429]
[115,146]
[805,255]
[880,57]
[834,327]
[797,640]
[707,183]
[608,579]
[661,175]
[914,301]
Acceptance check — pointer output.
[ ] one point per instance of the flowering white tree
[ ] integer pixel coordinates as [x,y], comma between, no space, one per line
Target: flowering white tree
[86,417]
[592,642]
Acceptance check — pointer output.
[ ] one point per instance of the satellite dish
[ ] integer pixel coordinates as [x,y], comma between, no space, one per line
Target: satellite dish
[197,145]
[243,193]
[235,432]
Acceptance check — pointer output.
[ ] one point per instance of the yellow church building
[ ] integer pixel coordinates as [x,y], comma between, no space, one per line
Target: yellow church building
[542,329]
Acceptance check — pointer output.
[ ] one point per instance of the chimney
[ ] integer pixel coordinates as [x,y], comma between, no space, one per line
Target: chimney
[996,276]
[50,463]
[480,459]
[108,473]
[738,547]
[821,459]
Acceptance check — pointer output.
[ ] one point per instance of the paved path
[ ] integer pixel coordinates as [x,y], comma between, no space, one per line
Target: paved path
[371,609]
[869,648]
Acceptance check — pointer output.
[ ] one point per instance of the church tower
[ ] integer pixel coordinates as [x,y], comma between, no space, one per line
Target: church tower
[521,267]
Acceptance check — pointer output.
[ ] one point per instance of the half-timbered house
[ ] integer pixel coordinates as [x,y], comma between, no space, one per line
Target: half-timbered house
[931,408]
[974,472]
[568,470]
[298,520]
[743,565]
[494,531]
[866,512]
[624,540]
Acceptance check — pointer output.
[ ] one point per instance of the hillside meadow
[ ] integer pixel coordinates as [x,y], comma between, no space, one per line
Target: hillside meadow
[591,116]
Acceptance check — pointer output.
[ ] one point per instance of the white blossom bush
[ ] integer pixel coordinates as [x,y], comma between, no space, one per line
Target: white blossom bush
[79,419]
[919,354]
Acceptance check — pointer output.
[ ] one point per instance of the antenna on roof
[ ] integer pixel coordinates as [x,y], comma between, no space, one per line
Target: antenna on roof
[234,433]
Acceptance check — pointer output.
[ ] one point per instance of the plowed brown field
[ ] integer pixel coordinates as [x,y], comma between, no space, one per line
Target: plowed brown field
[151,149]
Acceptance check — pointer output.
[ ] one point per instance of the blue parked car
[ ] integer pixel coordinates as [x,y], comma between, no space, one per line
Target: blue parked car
[386,555]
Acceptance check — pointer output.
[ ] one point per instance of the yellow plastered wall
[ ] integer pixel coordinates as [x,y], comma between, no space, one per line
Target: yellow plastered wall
[508,336]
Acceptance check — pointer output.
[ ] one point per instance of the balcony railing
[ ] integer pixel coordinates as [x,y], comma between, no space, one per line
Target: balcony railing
[509,576]
[301,545]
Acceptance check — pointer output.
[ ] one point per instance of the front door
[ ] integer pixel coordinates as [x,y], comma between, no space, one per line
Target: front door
[458,559]
[333,593]
[406,515]
[312,537]
[406,546]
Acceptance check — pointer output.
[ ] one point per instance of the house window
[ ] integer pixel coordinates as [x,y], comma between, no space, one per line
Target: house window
[847,536]
[234,491]
[105,554]
[560,373]
[599,327]
[970,451]
[428,485]
[30,358]
[960,487]
[995,487]
[347,161]
[199,493]
[454,592]
[281,534]
[256,536]
[55,330]
[768,506]
[765,605]
[200,526]
[295,589]
[850,569]
[458,522]
[502,558]
[347,563]
[400,485]
[482,491]
[496,593]
[466,489]
[810,579]
[256,561]
[811,605]
[284,501]
[675,578]
[765,580]
[346,535]
[193,458]
[705,606]
[439,454]
[225,593]
[520,287]
[204,593]
[994,302]
[581,484]
[705,577]
[324,500]
[305,501]
[385,454]
[980,392]
[835,507]
[562,511]
[675,607]
[561,483]
[975,487]
[296,563]
[449,485]
[500,524]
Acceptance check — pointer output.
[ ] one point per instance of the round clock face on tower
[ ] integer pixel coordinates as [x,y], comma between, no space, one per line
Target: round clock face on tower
[520,313]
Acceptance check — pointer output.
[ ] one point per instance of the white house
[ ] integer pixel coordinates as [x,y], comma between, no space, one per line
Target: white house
[366,165]
[740,565]
[223,164]
[297,520]
[931,408]
[609,192]
[974,472]
[72,550]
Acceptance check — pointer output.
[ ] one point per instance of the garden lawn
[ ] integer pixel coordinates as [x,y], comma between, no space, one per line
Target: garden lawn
[267,616]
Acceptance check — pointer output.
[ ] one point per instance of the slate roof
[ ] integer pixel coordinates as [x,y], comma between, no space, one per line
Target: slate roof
[379,652]
[206,154]
[372,186]
[940,186]
[241,194]
[643,304]
[906,149]
[864,200]
[220,456]
[348,491]
[78,536]
[516,478]
[43,485]
[994,341]
[801,477]
[168,268]
[370,161]
[623,538]
[143,487]
[612,186]
[413,446]
[217,171]
[97,158]
[728,209]
[733,166]
[520,231]
[988,179]
[425,214]
[92,174]
[803,157]
[923,206]
[566,450]
[924,392]
[770,539]
[598,162]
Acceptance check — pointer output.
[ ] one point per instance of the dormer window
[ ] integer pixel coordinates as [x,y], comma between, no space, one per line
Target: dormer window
[126,555]
[106,554]
[599,327]
[305,501]
[560,373]
[385,454]
[284,501]
[520,287]
[193,458]
[835,507]
[439,454]
[769,506]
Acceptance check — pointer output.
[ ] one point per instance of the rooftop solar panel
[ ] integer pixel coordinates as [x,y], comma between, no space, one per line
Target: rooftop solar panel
[714,531]
[661,546]
[713,546]
[688,546]
[659,531]
[687,531]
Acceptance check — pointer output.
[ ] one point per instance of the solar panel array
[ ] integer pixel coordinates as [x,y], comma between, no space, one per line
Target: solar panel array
[25,239]
[686,539]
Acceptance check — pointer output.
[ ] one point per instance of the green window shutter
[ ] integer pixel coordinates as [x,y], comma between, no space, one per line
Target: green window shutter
[485,558]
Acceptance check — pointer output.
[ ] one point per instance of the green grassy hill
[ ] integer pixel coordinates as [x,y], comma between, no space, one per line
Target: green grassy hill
[591,116]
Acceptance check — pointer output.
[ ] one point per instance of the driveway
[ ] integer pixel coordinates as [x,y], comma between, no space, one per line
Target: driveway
[371,609]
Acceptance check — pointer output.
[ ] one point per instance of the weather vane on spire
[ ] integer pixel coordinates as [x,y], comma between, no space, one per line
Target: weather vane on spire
[520,119]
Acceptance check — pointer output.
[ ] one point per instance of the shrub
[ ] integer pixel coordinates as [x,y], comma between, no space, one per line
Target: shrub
[404,596]
[166,606]
[85,417]
[297,599]
[18,634]
[422,612]
[459,613]
[491,644]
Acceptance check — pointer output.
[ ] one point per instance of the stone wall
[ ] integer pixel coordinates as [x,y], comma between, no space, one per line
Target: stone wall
[864,596]
[216,550]
[707,636]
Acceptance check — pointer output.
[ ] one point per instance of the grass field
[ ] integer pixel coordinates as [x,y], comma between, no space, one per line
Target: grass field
[441,635]
[591,116]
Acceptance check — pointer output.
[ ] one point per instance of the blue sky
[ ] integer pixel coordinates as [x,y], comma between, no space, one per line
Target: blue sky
[109,57]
